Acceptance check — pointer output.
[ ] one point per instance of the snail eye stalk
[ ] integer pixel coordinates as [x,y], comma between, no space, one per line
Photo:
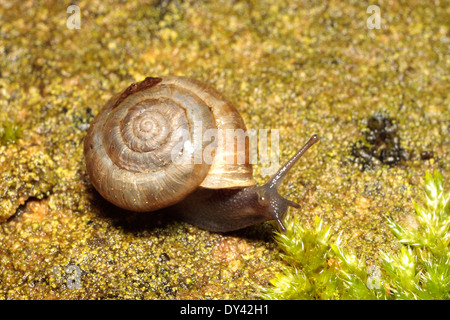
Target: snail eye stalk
[278,205]
[278,177]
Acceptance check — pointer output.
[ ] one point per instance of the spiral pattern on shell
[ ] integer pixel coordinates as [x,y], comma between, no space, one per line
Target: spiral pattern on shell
[141,138]
[130,145]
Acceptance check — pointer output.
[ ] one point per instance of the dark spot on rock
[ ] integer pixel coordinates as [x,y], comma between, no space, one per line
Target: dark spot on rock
[426,155]
[381,143]
[164,257]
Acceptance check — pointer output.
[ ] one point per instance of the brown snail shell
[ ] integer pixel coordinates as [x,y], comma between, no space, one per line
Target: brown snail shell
[128,145]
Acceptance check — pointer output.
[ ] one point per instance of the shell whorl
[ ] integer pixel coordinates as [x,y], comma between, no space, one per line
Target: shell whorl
[139,135]
[129,148]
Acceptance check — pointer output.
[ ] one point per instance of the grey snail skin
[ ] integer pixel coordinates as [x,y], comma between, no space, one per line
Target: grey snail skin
[129,158]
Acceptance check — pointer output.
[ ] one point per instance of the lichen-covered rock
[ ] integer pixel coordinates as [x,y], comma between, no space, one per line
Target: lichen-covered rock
[25,171]
[298,67]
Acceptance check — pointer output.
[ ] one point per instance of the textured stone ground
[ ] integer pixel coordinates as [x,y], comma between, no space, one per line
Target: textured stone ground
[300,67]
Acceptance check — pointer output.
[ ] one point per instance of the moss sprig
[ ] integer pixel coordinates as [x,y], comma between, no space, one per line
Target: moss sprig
[433,217]
[319,269]
[308,275]
[10,132]
[423,265]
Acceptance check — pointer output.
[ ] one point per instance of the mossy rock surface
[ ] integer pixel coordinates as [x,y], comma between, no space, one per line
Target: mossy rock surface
[299,67]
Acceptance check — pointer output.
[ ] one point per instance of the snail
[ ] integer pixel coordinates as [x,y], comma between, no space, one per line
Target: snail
[130,159]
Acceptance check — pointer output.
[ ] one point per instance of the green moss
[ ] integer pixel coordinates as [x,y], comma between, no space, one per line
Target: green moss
[320,269]
[10,132]
[422,269]
[308,275]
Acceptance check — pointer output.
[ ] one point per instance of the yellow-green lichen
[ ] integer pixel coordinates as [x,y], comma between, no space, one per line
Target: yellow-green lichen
[26,171]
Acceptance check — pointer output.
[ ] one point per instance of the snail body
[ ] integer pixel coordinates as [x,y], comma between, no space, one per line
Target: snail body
[131,162]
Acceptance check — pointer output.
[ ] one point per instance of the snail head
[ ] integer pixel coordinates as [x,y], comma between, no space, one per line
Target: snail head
[270,202]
